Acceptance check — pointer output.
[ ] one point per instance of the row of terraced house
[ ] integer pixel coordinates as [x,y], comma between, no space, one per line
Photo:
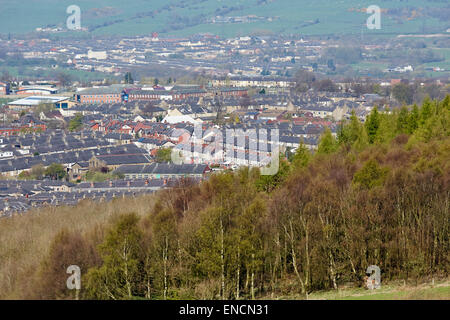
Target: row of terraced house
[125,93]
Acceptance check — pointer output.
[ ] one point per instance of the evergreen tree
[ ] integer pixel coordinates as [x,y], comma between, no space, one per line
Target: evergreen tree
[268,183]
[370,175]
[352,133]
[437,123]
[328,143]
[446,103]
[387,129]
[372,124]
[426,111]
[302,156]
[403,120]
[129,78]
[413,120]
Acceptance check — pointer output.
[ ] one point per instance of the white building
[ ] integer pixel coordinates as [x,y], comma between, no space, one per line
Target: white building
[99,55]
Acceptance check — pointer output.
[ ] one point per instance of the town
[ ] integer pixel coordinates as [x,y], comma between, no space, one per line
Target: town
[103,117]
[240,150]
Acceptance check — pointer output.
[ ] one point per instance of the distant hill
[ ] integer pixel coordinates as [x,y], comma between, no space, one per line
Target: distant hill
[226,18]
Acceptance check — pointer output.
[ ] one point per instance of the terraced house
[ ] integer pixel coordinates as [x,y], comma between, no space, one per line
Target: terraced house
[164,171]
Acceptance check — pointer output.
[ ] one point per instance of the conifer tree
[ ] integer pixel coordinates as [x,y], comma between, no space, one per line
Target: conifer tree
[328,143]
[372,124]
[426,111]
[413,119]
[403,120]
[353,133]
[302,156]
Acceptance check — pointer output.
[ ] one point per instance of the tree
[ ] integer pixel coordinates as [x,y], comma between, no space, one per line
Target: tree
[331,65]
[304,80]
[434,121]
[122,255]
[302,156]
[326,85]
[43,107]
[413,119]
[403,93]
[129,78]
[248,254]
[55,171]
[426,111]
[328,143]
[64,79]
[163,248]
[76,122]
[164,155]
[24,175]
[37,171]
[6,76]
[403,120]
[353,133]
[344,55]
[370,175]
[245,101]
[268,183]
[67,248]
[372,124]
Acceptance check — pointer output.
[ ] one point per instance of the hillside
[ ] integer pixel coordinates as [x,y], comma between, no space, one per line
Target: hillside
[376,195]
[184,18]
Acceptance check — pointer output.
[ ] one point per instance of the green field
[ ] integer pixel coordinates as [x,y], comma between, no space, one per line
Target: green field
[183,18]
[79,75]
[438,291]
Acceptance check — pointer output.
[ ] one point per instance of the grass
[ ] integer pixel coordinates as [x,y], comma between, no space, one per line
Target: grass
[442,64]
[24,240]
[439,291]
[338,18]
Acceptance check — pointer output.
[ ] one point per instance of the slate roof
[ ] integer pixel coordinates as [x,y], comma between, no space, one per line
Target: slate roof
[119,159]
[164,169]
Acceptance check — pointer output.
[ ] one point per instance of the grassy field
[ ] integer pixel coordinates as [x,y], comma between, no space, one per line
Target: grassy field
[439,291]
[164,16]
[77,75]
[24,240]
[443,64]
[366,66]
